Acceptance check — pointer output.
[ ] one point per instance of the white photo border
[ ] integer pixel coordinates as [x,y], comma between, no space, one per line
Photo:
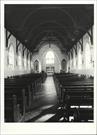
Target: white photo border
[47,128]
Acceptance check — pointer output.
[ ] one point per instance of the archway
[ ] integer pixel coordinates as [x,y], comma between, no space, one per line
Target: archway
[87,56]
[19,59]
[79,59]
[11,57]
[36,66]
[63,65]
[58,56]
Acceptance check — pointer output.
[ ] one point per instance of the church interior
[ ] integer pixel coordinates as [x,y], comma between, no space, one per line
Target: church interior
[49,63]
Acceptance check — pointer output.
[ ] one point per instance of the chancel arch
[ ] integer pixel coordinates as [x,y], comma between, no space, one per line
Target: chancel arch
[56,59]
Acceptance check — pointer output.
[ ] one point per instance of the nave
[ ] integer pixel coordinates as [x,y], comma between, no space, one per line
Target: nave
[47,101]
[49,63]
[53,99]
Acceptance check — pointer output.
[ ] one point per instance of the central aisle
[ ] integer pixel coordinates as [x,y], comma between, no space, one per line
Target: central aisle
[45,102]
[49,91]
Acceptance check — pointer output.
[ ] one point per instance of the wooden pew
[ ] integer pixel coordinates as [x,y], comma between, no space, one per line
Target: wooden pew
[82,114]
[75,90]
[23,88]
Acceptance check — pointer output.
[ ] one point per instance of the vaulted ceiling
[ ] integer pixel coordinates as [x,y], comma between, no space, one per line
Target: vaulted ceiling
[33,24]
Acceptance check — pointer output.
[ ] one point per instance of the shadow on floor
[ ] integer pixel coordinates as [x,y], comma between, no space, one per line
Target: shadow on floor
[53,111]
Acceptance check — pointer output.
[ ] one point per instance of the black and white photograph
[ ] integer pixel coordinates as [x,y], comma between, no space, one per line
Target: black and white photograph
[49,64]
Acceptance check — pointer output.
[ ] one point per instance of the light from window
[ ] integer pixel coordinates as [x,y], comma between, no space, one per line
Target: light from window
[50,57]
[74,60]
[11,57]
[19,60]
[79,59]
[25,61]
[87,56]
[29,64]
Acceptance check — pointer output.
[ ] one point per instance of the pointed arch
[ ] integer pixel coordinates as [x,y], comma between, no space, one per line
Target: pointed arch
[20,59]
[25,61]
[87,56]
[63,65]
[11,56]
[79,58]
[36,66]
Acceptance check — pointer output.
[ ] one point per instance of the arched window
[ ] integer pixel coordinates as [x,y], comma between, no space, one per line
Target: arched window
[79,59]
[25,61]
[71,60]
[11,57]
[74,60]
[50,57]
[36,66]
[87,56]
[19,59]
[92,57]
[63,64]
[28,62]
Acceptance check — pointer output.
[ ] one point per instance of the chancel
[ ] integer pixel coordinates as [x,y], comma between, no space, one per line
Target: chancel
[49,63]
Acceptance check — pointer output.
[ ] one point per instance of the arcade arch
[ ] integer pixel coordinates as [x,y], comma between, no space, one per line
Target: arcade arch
[11,57]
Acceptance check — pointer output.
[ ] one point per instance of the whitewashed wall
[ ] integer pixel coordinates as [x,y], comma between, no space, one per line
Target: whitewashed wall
[80,63]
[41,57]
[8,71]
